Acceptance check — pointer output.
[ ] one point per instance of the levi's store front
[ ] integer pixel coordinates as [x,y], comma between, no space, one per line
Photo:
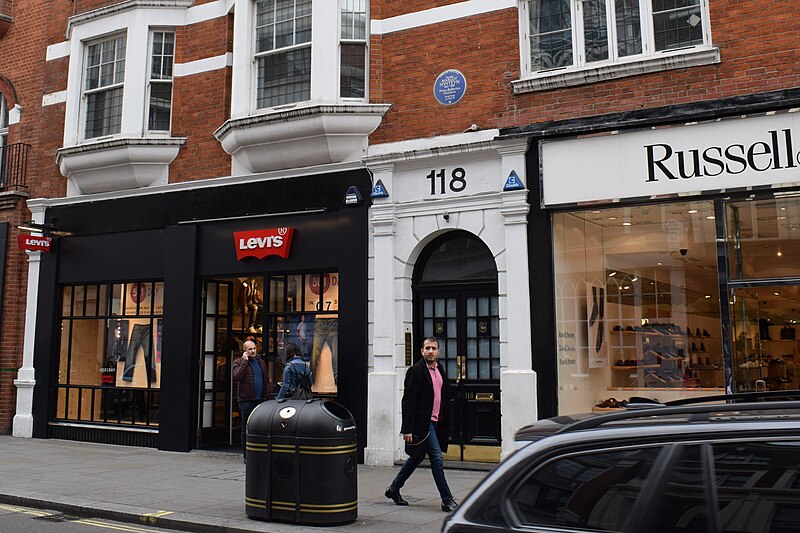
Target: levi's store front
[152,306]
[676,260]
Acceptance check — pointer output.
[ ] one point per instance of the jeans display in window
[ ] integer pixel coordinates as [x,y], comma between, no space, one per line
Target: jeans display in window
[326,331]
[141,336]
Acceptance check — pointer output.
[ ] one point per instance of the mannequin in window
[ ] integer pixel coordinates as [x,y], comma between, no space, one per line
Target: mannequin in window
[253,303]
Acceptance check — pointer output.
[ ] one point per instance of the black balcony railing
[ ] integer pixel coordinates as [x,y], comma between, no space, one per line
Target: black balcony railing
[14,166]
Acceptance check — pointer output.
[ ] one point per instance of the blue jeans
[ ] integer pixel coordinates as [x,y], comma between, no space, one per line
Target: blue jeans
[140,336]
[437,467]
[245,408]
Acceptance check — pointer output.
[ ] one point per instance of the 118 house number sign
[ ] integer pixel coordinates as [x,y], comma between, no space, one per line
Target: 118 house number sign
[443,181]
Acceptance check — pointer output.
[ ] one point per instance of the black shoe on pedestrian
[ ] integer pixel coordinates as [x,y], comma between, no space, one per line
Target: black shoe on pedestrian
[449,507]
[394,495]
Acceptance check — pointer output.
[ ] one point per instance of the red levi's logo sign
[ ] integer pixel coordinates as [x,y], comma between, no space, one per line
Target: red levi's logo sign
[263,242]
[34,243]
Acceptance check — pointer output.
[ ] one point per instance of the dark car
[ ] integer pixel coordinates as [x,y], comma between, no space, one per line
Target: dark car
[716,464]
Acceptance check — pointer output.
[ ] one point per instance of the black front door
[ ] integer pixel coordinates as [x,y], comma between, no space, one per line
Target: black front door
[465,320]
[456,301]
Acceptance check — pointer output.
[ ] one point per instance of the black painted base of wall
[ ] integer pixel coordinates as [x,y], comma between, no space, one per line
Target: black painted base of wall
[103,436]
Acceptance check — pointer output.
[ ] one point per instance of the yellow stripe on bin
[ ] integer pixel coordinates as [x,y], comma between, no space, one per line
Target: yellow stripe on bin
[341,509]
[314,450]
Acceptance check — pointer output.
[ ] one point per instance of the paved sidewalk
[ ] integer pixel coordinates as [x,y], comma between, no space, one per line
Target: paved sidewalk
[197,491]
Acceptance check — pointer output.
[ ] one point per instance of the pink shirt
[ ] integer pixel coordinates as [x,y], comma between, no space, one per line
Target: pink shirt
[437,392]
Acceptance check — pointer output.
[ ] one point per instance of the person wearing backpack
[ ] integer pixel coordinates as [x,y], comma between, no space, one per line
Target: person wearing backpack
[296,374]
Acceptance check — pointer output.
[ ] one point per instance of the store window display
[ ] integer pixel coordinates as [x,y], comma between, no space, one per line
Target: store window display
[110,353]
[764,258]
[637,304]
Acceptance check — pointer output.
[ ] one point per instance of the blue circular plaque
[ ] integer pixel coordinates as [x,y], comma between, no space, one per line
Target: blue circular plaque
[450,87]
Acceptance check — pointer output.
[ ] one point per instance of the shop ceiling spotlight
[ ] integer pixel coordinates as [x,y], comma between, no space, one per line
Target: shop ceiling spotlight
[47,229]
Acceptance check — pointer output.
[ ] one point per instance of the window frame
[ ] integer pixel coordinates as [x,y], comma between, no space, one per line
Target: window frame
[113,86]
[580,72]
[275,51]
[325,46]
[159,81]
[353,40]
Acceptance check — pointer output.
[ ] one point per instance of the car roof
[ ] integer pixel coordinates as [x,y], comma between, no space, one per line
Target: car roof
[721,409]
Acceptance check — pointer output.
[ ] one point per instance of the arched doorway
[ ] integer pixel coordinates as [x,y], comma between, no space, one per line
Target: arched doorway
[456,300]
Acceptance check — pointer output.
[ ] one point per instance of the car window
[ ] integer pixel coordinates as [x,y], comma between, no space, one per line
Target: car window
[758,486]
[593,490]
[681,505]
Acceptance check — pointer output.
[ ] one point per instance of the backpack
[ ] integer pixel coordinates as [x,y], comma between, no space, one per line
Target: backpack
[303,389]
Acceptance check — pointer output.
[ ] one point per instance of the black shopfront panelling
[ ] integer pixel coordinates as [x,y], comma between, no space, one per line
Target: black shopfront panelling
[169,236]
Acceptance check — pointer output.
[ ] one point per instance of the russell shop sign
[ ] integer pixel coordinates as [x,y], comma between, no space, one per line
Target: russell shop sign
[740,152]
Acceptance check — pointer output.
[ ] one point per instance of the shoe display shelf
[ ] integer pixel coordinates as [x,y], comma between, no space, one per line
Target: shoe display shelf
[767,361]
[647,356]
[664,356]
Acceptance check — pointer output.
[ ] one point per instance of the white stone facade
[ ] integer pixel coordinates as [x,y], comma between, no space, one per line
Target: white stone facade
[419,208]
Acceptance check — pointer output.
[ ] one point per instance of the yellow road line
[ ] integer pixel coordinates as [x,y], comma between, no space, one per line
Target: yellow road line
[25,510]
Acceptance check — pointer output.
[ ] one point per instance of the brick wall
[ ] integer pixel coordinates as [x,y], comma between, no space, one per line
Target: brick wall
[758,49]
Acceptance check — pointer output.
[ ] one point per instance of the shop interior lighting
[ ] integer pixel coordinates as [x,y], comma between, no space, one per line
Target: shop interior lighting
[707,296]
[612,274]
[780,254]
[710,217]
[626,223]
[692,211]
[635,278]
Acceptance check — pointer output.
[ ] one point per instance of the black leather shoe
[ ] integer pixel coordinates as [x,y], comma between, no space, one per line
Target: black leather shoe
[394,495]
[449,507]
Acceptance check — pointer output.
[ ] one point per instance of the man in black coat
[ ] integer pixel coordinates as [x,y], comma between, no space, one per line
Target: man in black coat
[426,421]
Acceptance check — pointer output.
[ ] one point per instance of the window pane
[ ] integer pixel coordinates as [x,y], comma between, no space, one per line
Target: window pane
[87,354]
[682,506]
[766,337]
[104,113]
[677,23]
[284,78]
[551,34]
[764,240]
[629,27]
[160,107]
[593,491]
[637,302]
[758,479]
[460,259]
[595,30]
[353,73]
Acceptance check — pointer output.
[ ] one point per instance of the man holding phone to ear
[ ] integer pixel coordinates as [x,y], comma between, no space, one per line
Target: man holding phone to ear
[426,421]
[251,375]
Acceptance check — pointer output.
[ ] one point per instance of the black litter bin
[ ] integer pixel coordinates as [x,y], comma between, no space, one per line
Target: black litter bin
[301,463]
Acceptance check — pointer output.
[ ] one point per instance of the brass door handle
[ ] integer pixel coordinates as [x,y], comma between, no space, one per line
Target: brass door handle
[458,368]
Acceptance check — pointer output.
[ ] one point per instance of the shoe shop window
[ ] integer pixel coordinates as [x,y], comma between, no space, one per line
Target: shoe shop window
[764,258]
[637,304]
[110,353]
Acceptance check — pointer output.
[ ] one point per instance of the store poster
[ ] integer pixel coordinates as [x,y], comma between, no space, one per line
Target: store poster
[597,343]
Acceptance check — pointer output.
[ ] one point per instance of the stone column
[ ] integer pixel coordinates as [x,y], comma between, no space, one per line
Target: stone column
[22,425]
[382,383]
[517,378]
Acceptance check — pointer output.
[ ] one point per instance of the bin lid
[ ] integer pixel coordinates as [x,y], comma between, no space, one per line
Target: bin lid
[308,418]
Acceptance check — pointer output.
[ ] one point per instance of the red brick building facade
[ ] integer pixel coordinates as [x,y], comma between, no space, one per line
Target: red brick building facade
[272,95]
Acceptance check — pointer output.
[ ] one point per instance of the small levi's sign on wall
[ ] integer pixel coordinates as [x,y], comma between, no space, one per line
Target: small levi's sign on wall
[261,243]
[34,243]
